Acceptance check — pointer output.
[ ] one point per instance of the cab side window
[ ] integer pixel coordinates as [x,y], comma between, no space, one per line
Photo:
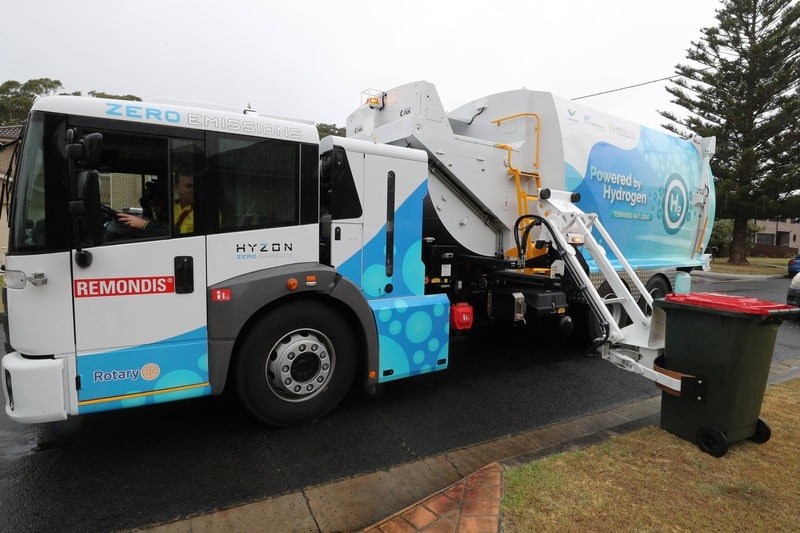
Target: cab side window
[140,193]
[134,187]
[256,181]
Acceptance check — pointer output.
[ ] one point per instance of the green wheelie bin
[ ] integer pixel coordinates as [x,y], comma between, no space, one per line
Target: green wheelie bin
[720,347]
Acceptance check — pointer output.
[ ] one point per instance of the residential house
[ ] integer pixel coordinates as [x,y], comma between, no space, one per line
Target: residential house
[777,237]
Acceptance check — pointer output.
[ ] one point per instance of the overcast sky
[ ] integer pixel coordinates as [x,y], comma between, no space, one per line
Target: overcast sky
[311,60]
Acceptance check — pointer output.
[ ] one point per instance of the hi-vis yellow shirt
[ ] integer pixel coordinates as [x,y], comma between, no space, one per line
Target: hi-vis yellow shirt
[184,218]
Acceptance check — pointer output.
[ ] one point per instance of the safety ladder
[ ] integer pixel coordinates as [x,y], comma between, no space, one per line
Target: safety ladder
[523,197]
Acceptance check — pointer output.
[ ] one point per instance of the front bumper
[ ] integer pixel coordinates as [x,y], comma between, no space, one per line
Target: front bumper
[793,297]
[34,388]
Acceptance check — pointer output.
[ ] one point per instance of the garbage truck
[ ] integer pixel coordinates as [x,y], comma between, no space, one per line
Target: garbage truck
[161,251]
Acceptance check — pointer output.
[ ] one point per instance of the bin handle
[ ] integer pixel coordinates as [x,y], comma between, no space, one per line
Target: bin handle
[691,386]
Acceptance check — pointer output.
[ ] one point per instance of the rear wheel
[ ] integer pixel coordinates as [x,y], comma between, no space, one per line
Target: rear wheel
[658,287]
[763,432]
[296,363]
[616,309]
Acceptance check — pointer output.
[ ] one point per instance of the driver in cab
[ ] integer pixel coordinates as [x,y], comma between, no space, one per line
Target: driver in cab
[182,210]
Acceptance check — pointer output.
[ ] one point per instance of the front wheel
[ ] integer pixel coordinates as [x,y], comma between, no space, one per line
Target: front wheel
[296,363]
[712,441]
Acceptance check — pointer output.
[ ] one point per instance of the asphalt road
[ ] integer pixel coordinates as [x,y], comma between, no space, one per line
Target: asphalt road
[133,468]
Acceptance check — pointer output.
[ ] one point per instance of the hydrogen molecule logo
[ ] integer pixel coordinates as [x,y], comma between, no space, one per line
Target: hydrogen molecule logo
[675,204]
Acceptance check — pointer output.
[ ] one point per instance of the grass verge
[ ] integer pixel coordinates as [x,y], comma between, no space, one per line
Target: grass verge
[650,480]
[758,265]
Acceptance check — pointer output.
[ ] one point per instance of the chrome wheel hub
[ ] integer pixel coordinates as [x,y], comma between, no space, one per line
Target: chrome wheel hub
[300,365]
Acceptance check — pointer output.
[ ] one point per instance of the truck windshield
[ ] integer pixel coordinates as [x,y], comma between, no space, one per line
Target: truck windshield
[41,183]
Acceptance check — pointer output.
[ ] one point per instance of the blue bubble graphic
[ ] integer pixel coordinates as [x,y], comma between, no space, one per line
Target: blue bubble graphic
[375,280]
[178,378]
[393,357]
[385,314]
[413,269]
[395,327]
[433,344]
[133,402]
[418,327]
[443,355]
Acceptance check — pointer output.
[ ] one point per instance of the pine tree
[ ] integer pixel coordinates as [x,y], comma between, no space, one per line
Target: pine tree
[743,86]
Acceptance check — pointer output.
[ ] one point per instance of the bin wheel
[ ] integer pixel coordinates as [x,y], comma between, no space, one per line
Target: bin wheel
[712,441]
[763,433]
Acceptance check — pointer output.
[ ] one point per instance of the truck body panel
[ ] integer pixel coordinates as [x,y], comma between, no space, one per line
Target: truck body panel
[652,190]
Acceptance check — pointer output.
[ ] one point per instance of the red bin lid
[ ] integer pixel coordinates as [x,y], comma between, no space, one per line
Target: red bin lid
[741,304]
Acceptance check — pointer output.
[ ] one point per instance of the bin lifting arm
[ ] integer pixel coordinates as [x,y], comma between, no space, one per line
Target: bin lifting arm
[636,346]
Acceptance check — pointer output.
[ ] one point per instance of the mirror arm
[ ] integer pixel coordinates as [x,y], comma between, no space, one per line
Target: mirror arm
[77,207]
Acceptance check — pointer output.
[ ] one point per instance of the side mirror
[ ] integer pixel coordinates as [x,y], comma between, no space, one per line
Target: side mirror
[84,205]
[86,151]
[87,206]
[93,149]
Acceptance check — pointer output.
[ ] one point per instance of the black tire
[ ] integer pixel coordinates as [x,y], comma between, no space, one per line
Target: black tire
[712,441]
[296,363]
[658,287]
[763,432]
[617,311]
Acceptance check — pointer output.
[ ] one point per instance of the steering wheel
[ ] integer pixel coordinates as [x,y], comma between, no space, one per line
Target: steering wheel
[115,230]
[108,214]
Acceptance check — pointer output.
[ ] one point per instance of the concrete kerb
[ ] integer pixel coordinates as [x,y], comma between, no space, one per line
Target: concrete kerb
[365,502]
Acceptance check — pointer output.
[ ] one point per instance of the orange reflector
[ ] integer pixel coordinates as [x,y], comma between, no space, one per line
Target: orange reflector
[575,238]
[311,281]
[372,374]
[374,98]
[291,284]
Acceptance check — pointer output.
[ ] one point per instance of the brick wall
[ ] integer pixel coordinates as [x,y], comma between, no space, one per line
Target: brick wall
[125,191]
[5,159]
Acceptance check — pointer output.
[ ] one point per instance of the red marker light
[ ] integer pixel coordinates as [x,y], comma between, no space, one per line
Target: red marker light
[221,295]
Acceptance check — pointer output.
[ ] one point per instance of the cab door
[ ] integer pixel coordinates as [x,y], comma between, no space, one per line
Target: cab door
[140,324]
[342,177]
[140,306]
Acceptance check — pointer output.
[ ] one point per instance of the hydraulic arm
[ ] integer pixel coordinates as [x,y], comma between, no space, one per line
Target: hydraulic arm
[634,347]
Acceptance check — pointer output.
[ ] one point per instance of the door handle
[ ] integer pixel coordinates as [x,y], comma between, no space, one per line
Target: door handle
[37,279]
[184,274]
